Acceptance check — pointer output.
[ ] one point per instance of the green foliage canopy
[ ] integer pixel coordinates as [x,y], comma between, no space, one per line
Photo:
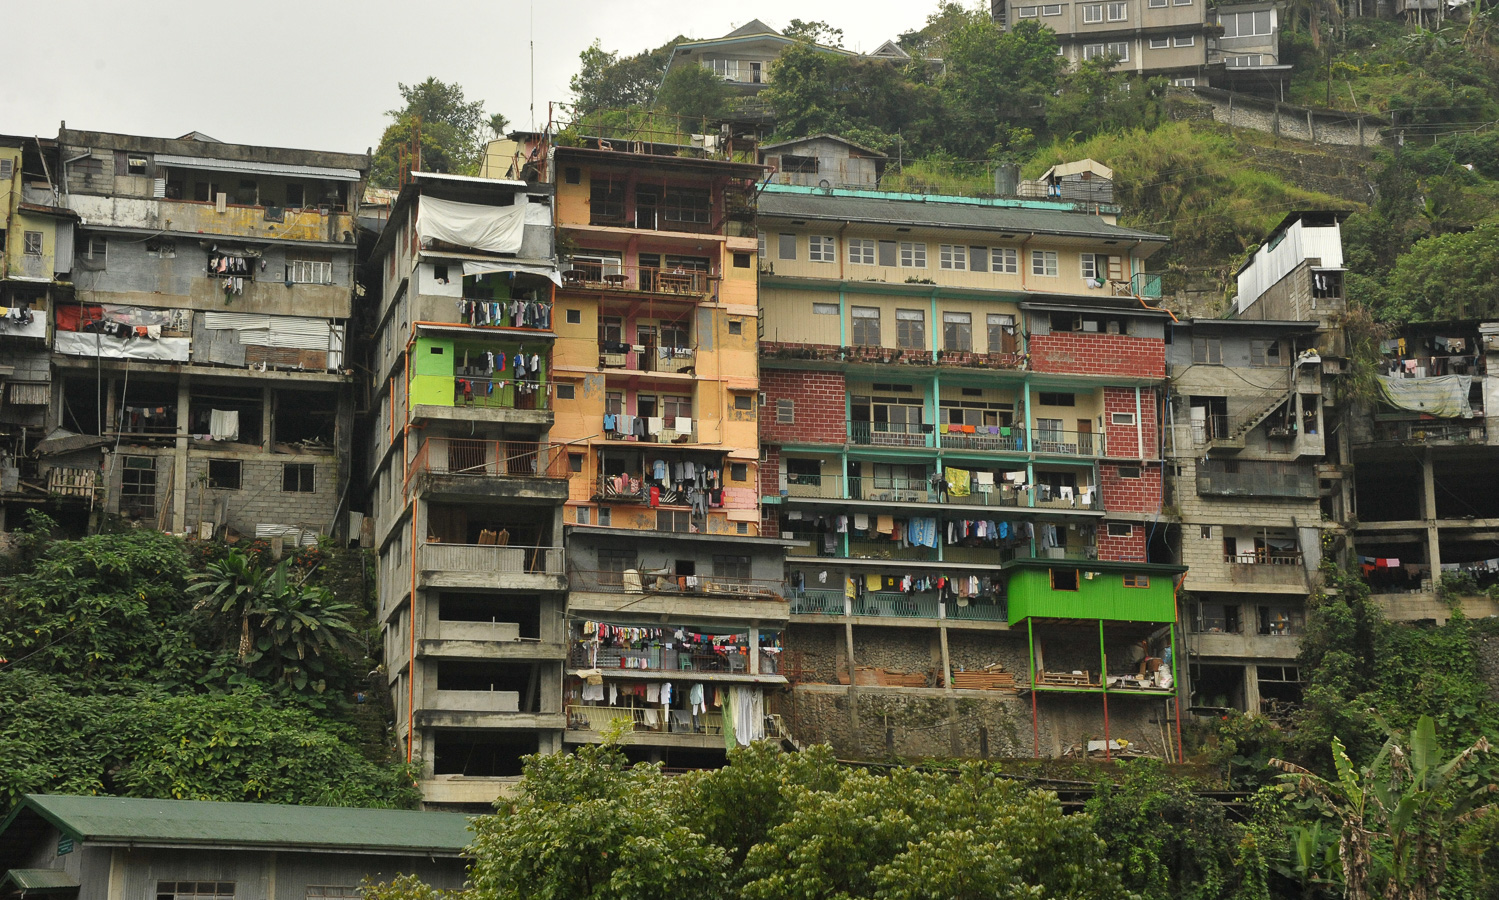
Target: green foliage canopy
[452,131]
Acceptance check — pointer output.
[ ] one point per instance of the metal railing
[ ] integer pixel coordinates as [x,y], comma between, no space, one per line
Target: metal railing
[495,459]
[659,659]
[1254,478]
[1474,431]
[635,581]
[890,434]
[493,560]
[1281,558]
[980,611]
[583,273]
[650,358]
[816,603]
[653,719]
[494,392]
[991,438]
[831,487]
[1067,443]
[664,436]
[906,606]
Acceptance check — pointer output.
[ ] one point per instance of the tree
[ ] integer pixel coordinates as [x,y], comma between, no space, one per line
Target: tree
[816,31]
[1400,813]
[452,131]
[981,55]
[1450,276]
[694,92]
[606,80]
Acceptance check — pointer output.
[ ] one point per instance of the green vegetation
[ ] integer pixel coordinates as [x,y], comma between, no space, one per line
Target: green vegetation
[137,664]
[452,129]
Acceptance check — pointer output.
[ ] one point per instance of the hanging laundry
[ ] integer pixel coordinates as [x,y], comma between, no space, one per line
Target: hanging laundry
[957,482]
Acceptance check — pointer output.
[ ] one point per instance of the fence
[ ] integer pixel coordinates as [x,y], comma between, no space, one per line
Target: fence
[495,459]
[489,559]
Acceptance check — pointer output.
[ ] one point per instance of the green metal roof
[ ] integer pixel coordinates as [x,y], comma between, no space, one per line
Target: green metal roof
[39,881]
[127,820]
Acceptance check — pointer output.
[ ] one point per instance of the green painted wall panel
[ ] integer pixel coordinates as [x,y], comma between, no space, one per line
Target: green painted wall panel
[1103,596]
[434,356]
[432,390]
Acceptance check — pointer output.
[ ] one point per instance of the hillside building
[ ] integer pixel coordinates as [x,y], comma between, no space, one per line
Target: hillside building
[959,430]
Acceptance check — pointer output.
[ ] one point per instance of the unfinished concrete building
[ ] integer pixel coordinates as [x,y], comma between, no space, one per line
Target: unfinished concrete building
[466,485]
[36,258]
[1425,472]
[199,379]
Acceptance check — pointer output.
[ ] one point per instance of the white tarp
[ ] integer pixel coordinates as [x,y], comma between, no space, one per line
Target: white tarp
[483,268]
[1444,396]
[77,343]
[492,229]
[291,332]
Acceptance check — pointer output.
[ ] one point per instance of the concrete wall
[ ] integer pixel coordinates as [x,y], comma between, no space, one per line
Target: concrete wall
[1292,122]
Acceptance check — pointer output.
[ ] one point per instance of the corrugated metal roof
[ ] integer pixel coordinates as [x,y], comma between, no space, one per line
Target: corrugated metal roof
[114,820]
[259,168]
[40,881]
[944,214]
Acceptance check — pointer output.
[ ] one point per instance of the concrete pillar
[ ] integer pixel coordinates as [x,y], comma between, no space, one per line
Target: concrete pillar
[1429,513]
[1251,689]
[267,420]
[754,650]
[179,461]
[946,659]
[853,689]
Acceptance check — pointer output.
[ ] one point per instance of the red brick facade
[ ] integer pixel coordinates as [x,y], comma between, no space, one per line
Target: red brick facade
[820,410]
[1098,354]
[1123,441]
[1135,495]
[770,470]
[1122,548]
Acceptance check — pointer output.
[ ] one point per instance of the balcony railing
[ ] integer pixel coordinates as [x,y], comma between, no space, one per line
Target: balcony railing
[661,721]
[649,358]
[648,279]
[1474,431]
[493,459]
[831,487]
[896,605]
[886,434]
[1277,558]
[908,606]
[661,659]
[1067,443]
[611,426]
[980,611]
[991,438]
[493,392]
[816,603]
[492,560]
[634,581]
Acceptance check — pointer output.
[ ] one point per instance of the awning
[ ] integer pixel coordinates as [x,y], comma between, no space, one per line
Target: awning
[491,229]
[257,168]
[39,881]
[480,268]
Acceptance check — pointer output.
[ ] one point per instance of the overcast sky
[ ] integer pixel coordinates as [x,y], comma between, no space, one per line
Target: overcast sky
[319,74]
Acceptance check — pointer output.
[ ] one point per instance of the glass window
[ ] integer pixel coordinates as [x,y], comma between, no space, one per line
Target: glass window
[953,256]
[866,326]
[298,478]
[1264,353]
[1090,266]
[1001,333]
[787,247]
[887,253]
[910,329]
[606,201]
[31,243]
[1119,49]
[194,890]
[725,566]
[861,251]
[820,249]
[676,407]
[1157,4]
[957,331]
[1189,40]
[1044,262]
[1118,12]
[978,259]
[824,309]
[912,255]
[1207,351]
[1092,51]
[1054,9]
[1005,260]
[613,564]
[1093,13]
[1160,43]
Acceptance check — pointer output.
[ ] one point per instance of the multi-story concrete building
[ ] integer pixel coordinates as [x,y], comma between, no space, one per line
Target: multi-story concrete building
[36,256]
[199,377]
[675,602]
[466,485]
[1191,42]
[959,429]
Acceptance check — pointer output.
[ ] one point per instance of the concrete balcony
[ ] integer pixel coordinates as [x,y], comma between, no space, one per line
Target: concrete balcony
[475,470]
[475,701]
[1245,645]
[486,566]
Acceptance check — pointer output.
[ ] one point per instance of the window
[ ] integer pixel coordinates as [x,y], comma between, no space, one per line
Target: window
[824,309]
[741,260]
[224,474]
[575,462]
[332,892]
[1120,50]
[1245,24]
[741,528]
[674,407]
[1184,82]
[1264,353]
[1027,12]
[800,165]
[786,247]
[613,563]
[309,271]
[296,196]
[1001,333]
[1090,266]
[687,206]
[31,243]
[727,69]
[1247,61]
[605,515]
[1093,12]
[96,249]
[910,329]
[978,259]
[297,478]
[760,236]
[866,326]
[1207,350]
[574,316]
[912,255]
[736,326]
[1160,43]
[738,471]
[138,484]
[585,515]
[785,412]
[1054,9]
[567,391]
[1122,419]
[1157,4]
[135,165]
[1004,260]
[1118,12]
[1092,51]
[1044,262]
[726,566]
[1181,2]
[1049,398]
[194,890]
[1137,581]
[606,200]
[820,249]
[7,168]
[861,251]
[957,331]
[1188,40]
[887,253]
[953,256]
[744,402]
[1129,471]
[1064,579]
[1121,529]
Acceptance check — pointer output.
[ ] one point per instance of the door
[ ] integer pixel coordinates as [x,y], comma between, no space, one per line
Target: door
[1085,437]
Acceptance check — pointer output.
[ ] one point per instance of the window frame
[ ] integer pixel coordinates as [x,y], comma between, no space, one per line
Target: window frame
[1076,580]
[1188,40]
[1044,263]
[221,484]
[957,331]
[953,257]
[309,271]
[1121,8]
[306,473]
[861,251]
[910,329]
[1160,43]
[913,254]
[861,321]
[1136,581]
[1093,13]
[822,248]
[785,246]
[1088,266]
[1010,257]
[31,243]
[825,309]
[1122,52]
[1211,350]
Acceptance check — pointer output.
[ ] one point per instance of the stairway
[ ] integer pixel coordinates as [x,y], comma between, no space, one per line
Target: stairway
[1234,440]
